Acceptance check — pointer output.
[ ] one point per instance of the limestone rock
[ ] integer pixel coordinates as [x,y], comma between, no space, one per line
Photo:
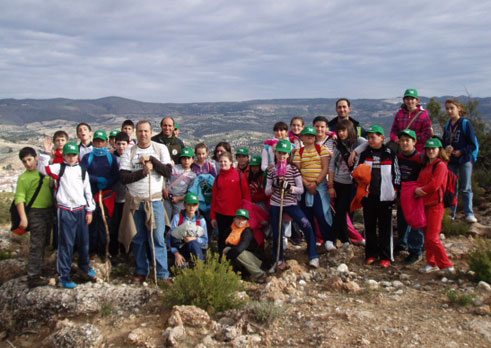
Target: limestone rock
[294,267]
[12,268]
[333,283]
[70,335]
[340,255]
[351,287]
[371,284]
[189,316]
[172,335]
[274,290]
[482,285]
[342,268]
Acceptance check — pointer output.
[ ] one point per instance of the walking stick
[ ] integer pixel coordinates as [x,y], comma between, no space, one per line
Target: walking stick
[282,196]
[101,205]
[151,226]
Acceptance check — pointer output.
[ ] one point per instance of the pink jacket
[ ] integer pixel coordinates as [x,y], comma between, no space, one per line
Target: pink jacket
[413,208]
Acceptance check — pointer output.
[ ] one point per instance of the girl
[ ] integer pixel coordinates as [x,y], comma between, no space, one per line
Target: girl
[229,189]
[288,176]
[280,130]
[433,179]
[221,147]
[256,183]
[296,127]
[461,144]
[340,180]
[201,165]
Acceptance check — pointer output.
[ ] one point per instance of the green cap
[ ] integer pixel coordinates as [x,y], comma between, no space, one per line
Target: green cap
[187,152]
[284,145]
[375,129]
[409,133]
[71,148]
[255,160]
[243,213]
[100,134]
[411,92]
[176,125]
[309,130]
[433,142]
[242,151]
[191,198]
[114,132]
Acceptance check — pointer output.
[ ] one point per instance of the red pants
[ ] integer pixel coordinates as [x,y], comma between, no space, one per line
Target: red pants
[435,251]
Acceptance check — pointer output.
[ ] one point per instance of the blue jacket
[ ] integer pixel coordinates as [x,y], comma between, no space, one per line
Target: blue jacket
[196,188]
[461,137]
[102,174]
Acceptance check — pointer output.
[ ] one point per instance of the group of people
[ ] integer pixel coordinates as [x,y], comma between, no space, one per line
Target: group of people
[151,195]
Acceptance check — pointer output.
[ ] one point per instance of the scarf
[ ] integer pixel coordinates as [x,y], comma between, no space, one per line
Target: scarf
[293,137]
[234,236]
[100,151]
[281,169]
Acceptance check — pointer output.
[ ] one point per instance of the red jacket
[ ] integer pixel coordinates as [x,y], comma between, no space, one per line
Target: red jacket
[433,181]
[228,191]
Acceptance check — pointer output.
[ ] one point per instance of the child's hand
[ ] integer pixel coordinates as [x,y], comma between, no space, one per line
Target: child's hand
[47,145]
[179,259]
[332,193]
[351,159]
[88,219]
[165,193]
[214,223]
[23,223]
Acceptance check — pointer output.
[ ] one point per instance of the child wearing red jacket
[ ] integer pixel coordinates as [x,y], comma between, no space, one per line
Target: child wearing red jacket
[433,179]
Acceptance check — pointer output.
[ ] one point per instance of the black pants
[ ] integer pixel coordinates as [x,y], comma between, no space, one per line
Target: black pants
[114,245]
[97,233]
[223,222]
[377,213]
[342,204]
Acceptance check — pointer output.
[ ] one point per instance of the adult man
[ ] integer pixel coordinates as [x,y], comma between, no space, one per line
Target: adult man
[343,109]
[169,139]
[142,169]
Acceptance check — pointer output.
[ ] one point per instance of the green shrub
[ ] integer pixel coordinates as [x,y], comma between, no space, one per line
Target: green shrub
[106,309]
[210,285]
[453,227]
[482,178]
[480,260]
[455,297]
[5,255]
[5,202]
[265,312]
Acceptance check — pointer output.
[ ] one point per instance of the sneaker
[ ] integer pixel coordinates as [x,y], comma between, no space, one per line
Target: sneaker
[384,263]
[412,259]
[314,263]
[428,269]
[329,245]
[91,273]
[370,260]
[68,284]
[285,243]
[448,270]
[471,219]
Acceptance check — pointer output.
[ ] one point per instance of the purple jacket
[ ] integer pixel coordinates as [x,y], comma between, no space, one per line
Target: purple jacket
[422,126]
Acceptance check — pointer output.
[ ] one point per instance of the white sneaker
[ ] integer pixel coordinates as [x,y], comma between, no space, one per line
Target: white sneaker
[428,269]
[285,243]
[448,270]
[314,263]
[329,245]
[471,218]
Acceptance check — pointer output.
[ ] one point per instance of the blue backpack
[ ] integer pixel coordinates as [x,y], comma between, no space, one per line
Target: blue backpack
[465,128]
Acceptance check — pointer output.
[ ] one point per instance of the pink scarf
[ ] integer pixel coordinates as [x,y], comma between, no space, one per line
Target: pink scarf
[281,169]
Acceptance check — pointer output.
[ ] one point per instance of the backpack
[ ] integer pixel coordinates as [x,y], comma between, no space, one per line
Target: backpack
[62,171]
[449,191]
[317,148]
[465,127]
[91,158]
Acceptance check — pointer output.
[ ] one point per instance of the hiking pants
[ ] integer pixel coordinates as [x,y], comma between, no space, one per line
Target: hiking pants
[40,223]
[435,251]
[377,213]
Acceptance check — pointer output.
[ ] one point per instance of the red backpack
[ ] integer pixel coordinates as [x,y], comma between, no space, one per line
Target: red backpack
[449,191]
[317,148]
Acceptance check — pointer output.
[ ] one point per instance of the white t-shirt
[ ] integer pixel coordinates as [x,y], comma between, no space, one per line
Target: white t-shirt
[140,188]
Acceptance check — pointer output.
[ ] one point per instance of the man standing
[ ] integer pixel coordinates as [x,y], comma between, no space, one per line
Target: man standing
[142,169]
[169,139]
[343,109]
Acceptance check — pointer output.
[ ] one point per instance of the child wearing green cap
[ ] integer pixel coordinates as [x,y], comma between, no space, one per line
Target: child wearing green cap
[242,157]
[181,179]
[256,183]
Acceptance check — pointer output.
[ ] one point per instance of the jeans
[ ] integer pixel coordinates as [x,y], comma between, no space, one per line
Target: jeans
[317,211]
[142,240]
[464,172]
[408,237]
[187,249]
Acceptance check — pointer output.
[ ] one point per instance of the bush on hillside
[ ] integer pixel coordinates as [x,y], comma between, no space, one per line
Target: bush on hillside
[480,260]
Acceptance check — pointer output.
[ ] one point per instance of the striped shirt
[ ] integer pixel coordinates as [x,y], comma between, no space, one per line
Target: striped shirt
[294,178]
[310,162]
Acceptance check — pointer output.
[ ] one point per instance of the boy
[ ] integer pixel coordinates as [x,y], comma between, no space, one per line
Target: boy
[410,164]
[60,138]
[129,128]
[189,235]
[84,133]
[121,144]
[377,206]
[182,178]
[103,170]
[242,156]
[177,129]
[75,207]
[39,217]
[112,139]
[242,247]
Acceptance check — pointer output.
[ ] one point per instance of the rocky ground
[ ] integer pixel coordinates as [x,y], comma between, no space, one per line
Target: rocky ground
[344,303]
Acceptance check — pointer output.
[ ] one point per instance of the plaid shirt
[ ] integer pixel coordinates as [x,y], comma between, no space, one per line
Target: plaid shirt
[422,125]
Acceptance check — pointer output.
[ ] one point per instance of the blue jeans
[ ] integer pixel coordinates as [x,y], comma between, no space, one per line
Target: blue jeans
[317,211]
[142,240]
[299,217]
[408,237]
[187,249]
[464,172]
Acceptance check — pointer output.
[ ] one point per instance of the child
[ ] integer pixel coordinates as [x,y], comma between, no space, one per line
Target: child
[229,189]
[60,138]
[112,139]
[221,147]
[103,170]
[461,144]
[313,162]
[412,116]
[297,124]
[182,178]
[289,177]
[201,165]
[433,179]
[243,249]
[129,128]
[39,217]
[256,183]
[121,144]
[84,133]
[188,235]
[177,130]
[242,156]
[340,180]
[324,136]
[280,130]
[377,206]
[75,207]
[410,162]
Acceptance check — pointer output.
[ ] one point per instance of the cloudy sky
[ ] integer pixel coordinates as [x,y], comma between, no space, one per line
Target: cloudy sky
[222,50]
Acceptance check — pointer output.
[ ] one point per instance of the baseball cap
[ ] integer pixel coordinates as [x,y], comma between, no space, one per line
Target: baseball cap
[187,152]
[309,130]
[243,213]
[242,151]
[100,134]
[114,132]
[191,198]
[408,132]
[255,160]
[433,142]
[411,92]
[71,148]
[284,145]
[375,129]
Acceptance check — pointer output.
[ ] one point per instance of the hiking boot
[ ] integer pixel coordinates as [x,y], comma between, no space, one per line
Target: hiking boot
[428,269]
[412,259]
[68,284]
[314,263]
[330,246]
[139,278]
[35,282]
[384,263]
[370,260]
